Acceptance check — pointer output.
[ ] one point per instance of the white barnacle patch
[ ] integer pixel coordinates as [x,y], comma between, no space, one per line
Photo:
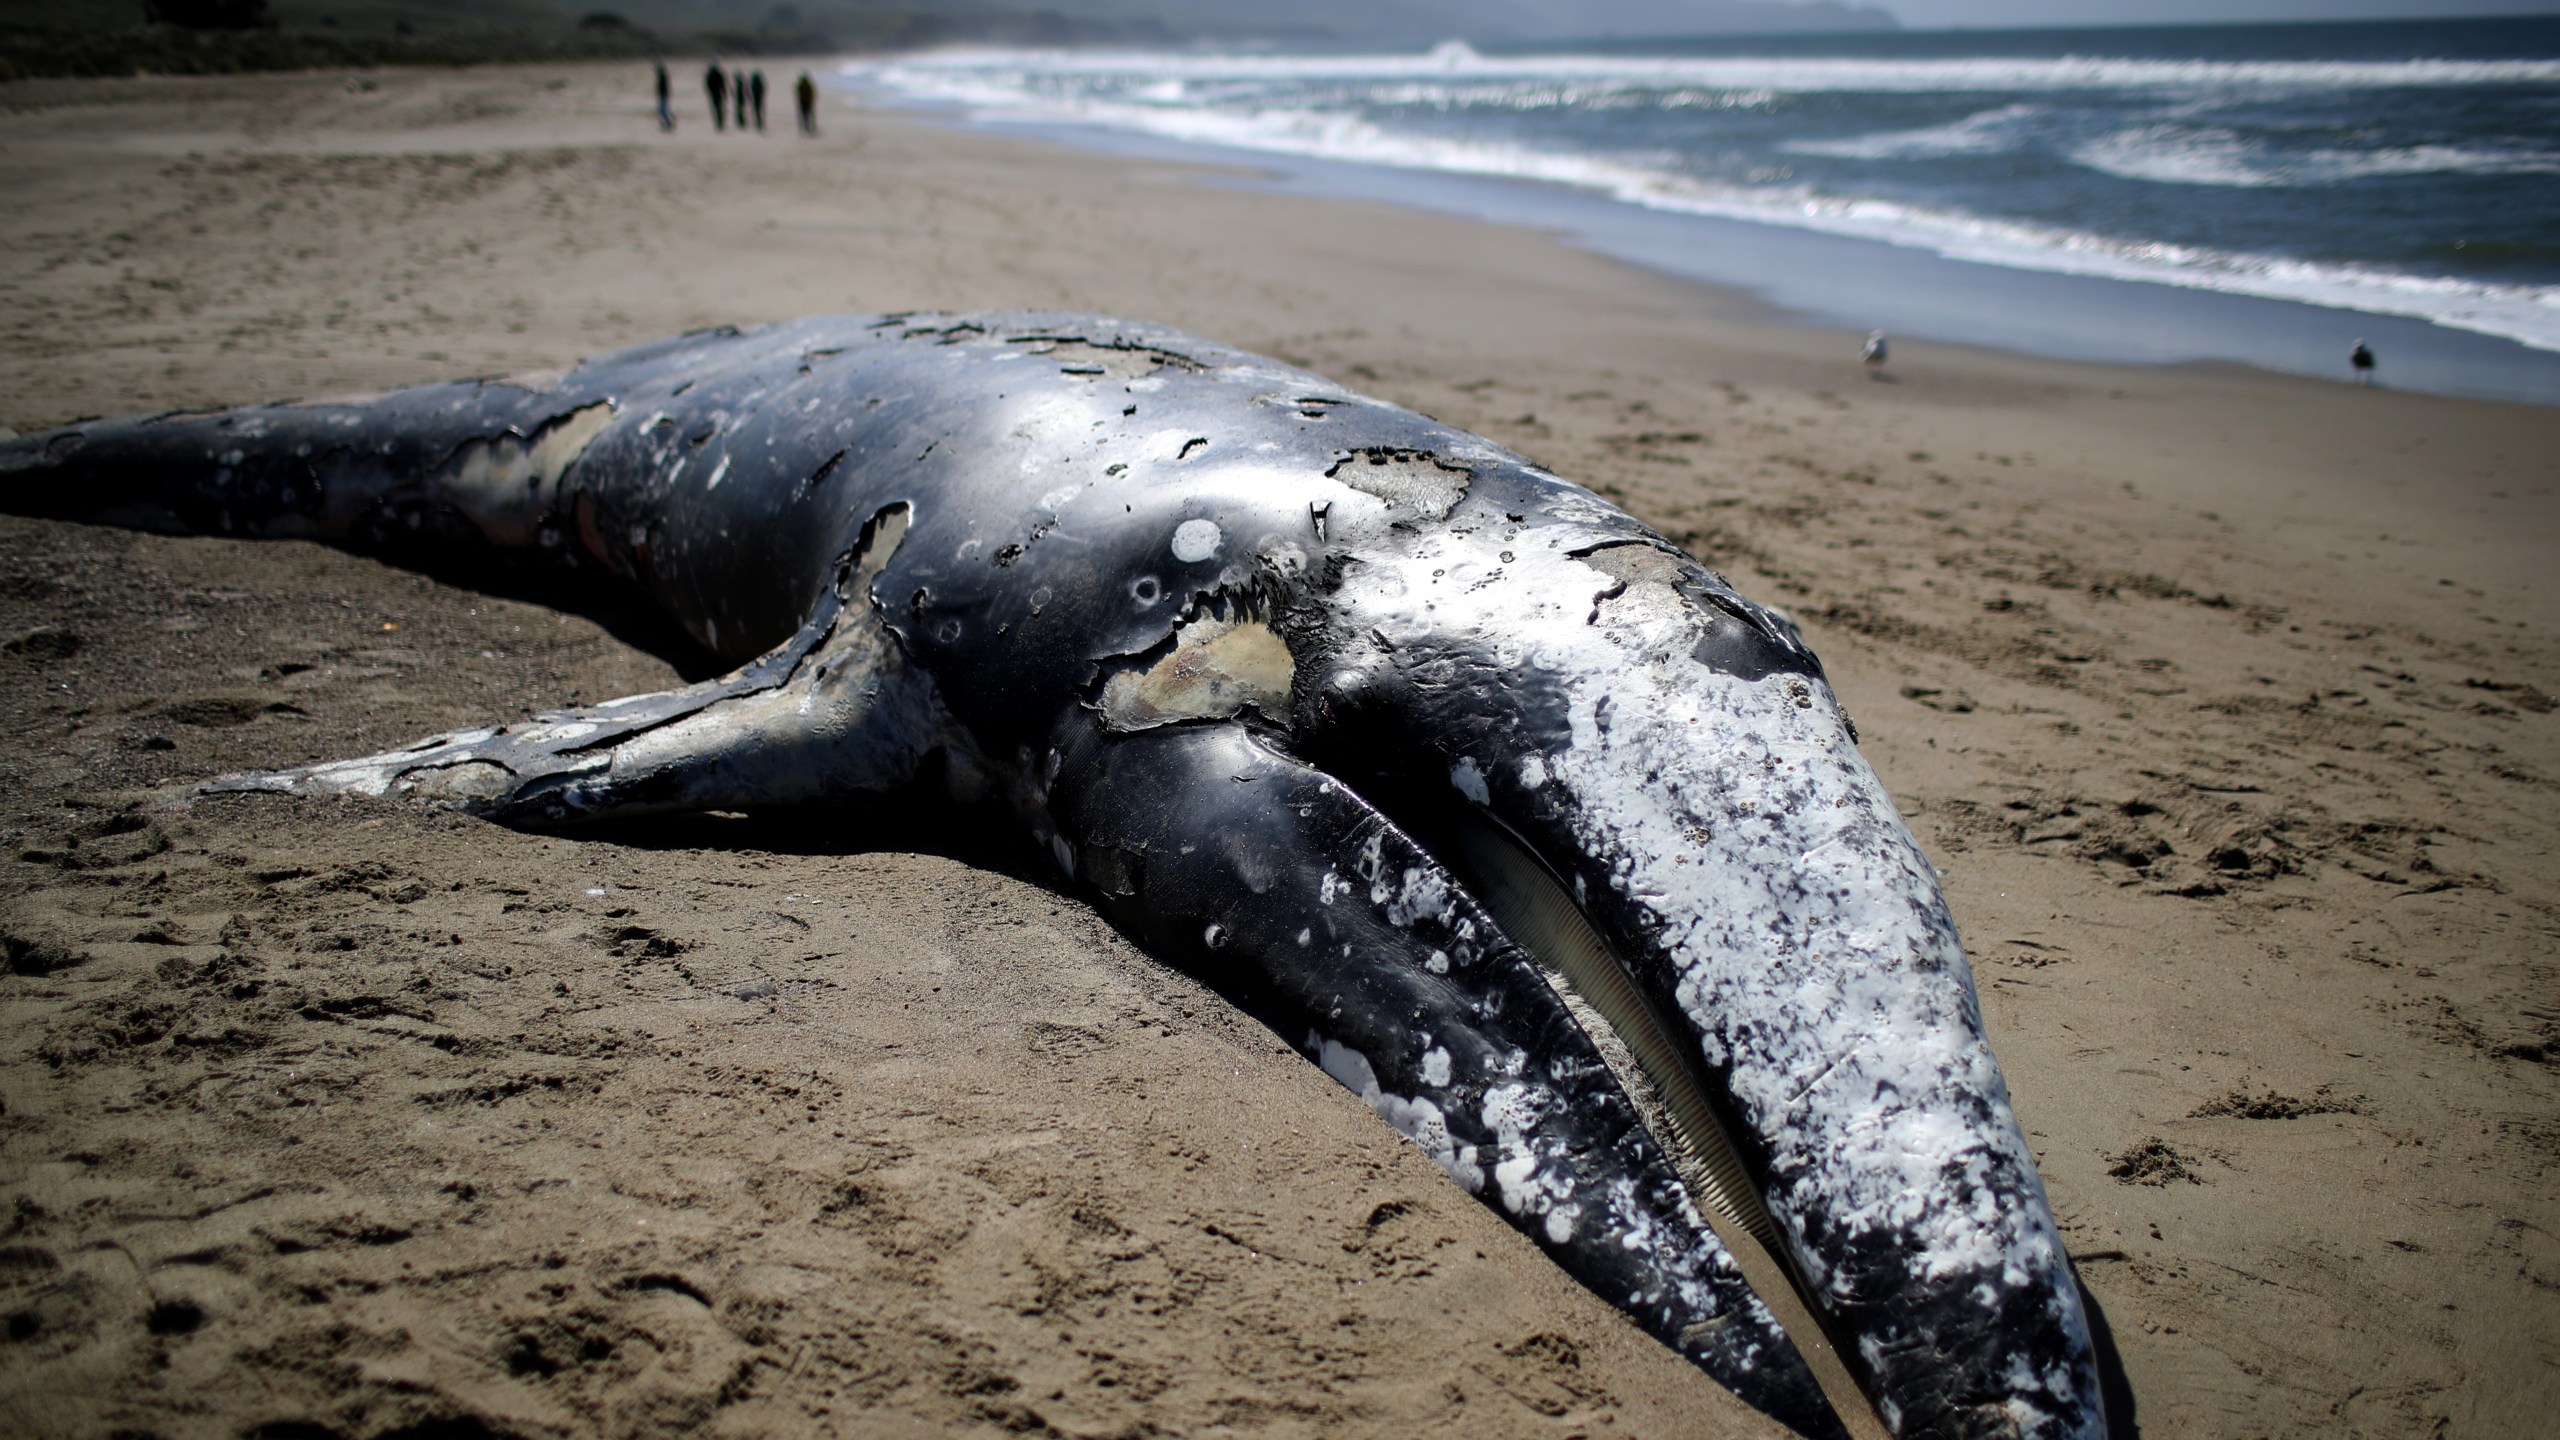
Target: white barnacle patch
[1418,1119]
[1512,1113]
[1470,780]
[1196,540]
[1422,894]
[1560,1220]
[507,483]
[1218,666]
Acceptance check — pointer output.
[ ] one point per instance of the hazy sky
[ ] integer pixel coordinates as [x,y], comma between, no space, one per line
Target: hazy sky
[1934,14]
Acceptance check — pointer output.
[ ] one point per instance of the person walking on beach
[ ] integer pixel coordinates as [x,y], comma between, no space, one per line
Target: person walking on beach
[2360,360]
[806,92]
[738,96]
[755,88]
[666,105]
[715,83]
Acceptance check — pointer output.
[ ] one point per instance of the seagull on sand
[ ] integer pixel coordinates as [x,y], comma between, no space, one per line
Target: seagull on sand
[2361,360]
[1876,350]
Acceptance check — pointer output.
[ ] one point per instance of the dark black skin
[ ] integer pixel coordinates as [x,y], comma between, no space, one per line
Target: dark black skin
[1029,568]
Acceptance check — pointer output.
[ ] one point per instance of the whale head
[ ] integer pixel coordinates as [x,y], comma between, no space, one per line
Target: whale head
[1648,782]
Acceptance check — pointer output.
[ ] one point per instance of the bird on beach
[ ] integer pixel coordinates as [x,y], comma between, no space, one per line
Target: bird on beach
[1876,351]
[2361,360]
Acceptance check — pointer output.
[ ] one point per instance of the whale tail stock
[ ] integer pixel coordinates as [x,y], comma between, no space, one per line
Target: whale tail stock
[477,463]
[467,476]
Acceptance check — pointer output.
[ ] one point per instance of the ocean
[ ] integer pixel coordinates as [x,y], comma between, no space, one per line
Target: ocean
[2405,169]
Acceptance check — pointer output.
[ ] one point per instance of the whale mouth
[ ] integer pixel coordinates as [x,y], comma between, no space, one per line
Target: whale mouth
[1638,1043]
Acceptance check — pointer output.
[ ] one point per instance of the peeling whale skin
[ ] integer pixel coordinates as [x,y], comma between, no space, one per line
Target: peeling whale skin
[1259,662]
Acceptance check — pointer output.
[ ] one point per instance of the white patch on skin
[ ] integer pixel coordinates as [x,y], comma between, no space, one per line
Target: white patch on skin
[1196,540]
[1470,780]
[1533,771]
[1044,430]
[375,775]
[1435,1067]
[1420,1121]
[561,733]
[1407,480]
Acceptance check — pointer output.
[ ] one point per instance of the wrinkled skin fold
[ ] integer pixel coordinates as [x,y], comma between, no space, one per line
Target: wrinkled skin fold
[1259,662]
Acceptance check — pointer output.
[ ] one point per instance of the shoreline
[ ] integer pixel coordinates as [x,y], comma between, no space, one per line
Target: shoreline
[1824,279]
[2224,700]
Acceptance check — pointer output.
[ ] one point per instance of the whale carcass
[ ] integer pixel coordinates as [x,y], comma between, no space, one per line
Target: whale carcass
[1517,820]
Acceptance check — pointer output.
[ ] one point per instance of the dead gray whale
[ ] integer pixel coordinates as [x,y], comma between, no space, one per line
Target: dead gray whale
[1518,821]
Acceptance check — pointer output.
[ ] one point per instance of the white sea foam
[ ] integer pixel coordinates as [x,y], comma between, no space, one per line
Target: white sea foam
[1197,100]
[1789,74]
[2211,155]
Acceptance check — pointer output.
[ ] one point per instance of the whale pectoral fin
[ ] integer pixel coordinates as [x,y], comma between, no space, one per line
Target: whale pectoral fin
[1292,894]
[833,712]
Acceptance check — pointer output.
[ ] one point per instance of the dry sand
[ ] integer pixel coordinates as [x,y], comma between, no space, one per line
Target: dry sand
[2224,700]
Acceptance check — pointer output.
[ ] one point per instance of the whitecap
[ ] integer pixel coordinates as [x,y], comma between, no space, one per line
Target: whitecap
[1985,132]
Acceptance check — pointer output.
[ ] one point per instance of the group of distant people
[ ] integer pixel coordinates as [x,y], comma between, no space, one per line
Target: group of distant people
[738,93]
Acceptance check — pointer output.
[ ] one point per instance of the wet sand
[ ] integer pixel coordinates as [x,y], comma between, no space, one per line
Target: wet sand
[2224,700]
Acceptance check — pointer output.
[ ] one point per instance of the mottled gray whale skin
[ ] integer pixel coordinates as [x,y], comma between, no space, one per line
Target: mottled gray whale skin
[1302,689]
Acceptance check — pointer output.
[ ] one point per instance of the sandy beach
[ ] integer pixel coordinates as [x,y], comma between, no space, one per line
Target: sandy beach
[2225,702]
